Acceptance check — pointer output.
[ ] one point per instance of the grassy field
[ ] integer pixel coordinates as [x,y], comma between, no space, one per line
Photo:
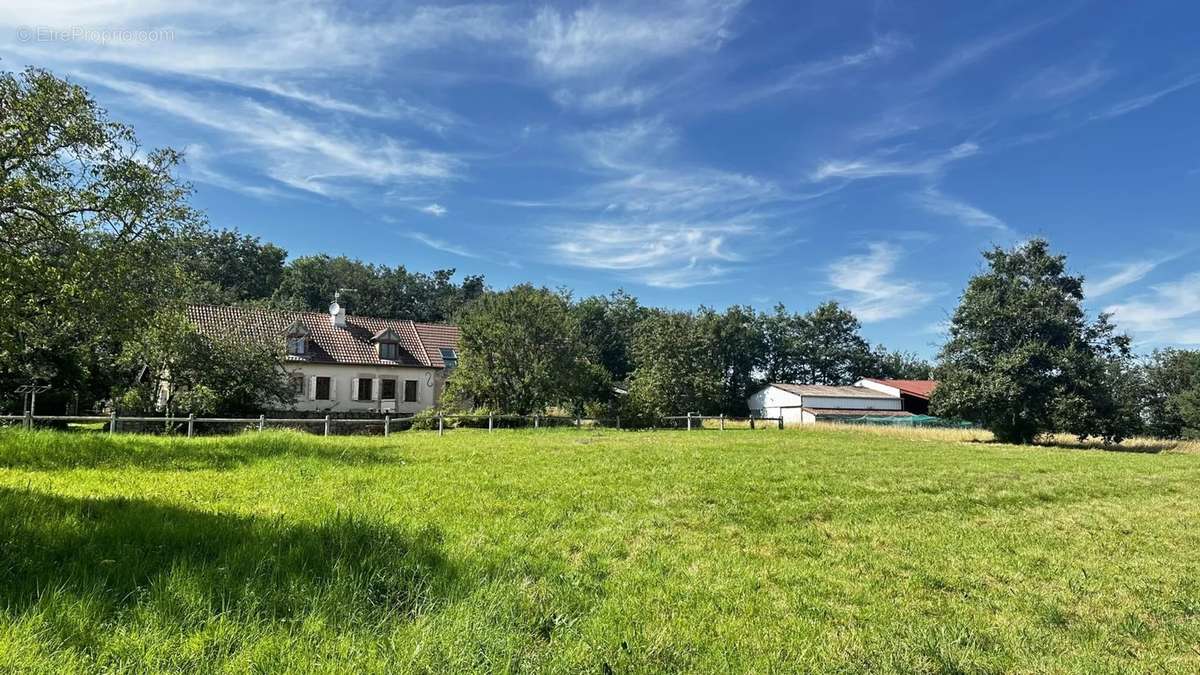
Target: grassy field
[588,551]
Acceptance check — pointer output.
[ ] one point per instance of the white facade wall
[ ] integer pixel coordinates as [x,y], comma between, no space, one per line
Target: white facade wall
[879,387]
[430,382]
[768,401]
[853,403]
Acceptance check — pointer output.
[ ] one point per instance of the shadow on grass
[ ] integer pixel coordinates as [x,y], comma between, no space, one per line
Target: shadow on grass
[81,566]
[1136,446]
[57,450]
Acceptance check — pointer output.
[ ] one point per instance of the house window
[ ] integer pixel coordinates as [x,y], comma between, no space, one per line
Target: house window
[297,346]
[322,389]
[298,384]
[449,357]
[389,351]
[410,391]
[387,389]
[364,389]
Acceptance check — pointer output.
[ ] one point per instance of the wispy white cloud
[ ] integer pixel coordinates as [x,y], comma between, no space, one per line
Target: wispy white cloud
[597,57]
[293,151]
[1138,102]
[823,73]
[975,51]
[393,109]
[657,220]
[239,38]
[875,294]
[441,245]
[1168,314]
[933,200]
[434,209]
[199,167]
[1125,274]
[1063,81]
[614,96]
[877,166]
[604,38]
[665,254]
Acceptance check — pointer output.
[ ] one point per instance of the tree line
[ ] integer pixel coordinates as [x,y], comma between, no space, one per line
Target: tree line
[100,249]
[527,348]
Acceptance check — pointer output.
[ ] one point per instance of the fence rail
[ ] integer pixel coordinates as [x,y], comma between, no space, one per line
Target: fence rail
[114,420]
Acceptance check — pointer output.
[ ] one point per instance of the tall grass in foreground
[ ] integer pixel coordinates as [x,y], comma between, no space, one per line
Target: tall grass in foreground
[843,550]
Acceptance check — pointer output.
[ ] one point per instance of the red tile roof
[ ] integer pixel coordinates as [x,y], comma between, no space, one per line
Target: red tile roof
[420,343]
[919,388]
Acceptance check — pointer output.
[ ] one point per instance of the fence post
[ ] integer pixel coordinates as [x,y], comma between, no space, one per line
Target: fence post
[751,421]
[327,425]
[578,422]
[191,423]
[535,420]
[112,422]
[489,422]
[722,421]
[780,419]
[387,426]
[618,422]
[439,424]
[689,416]
[28,421]
[262,422]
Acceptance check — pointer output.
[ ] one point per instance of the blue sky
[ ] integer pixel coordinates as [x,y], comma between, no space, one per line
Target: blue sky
[694,152]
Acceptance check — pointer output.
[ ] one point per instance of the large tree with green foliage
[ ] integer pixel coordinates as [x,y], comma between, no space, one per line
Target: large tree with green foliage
[606,324]
[86,221]
[227,267]
[822,346]
[1023,359]
[900,365]
[739,348]
[309,283]
[677,369]
[203,375]
[1170,393]
[521,352]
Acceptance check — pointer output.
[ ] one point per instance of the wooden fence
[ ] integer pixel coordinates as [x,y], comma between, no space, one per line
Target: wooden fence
[328,422]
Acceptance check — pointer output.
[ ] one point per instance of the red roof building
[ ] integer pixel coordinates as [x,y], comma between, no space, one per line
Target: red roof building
[915,394]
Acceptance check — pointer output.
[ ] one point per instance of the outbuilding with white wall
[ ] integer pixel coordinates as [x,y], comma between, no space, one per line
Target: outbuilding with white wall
[809,403]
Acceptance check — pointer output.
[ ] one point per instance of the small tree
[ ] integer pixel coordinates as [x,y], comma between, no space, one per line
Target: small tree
[520,351]
[1022,359]
[194,373]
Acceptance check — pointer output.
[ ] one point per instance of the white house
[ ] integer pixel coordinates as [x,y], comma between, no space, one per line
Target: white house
[809,403]
[347,363]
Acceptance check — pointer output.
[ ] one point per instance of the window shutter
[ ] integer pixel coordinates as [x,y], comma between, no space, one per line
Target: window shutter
[312,388]
[375,389]
[354,389]
[333,389]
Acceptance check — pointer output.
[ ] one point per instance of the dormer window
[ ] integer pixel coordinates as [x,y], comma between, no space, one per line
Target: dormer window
[449,357]
[297,346]
[387,344]
[297,339]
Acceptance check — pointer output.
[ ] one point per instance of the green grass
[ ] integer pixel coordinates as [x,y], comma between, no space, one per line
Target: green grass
[585,551]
